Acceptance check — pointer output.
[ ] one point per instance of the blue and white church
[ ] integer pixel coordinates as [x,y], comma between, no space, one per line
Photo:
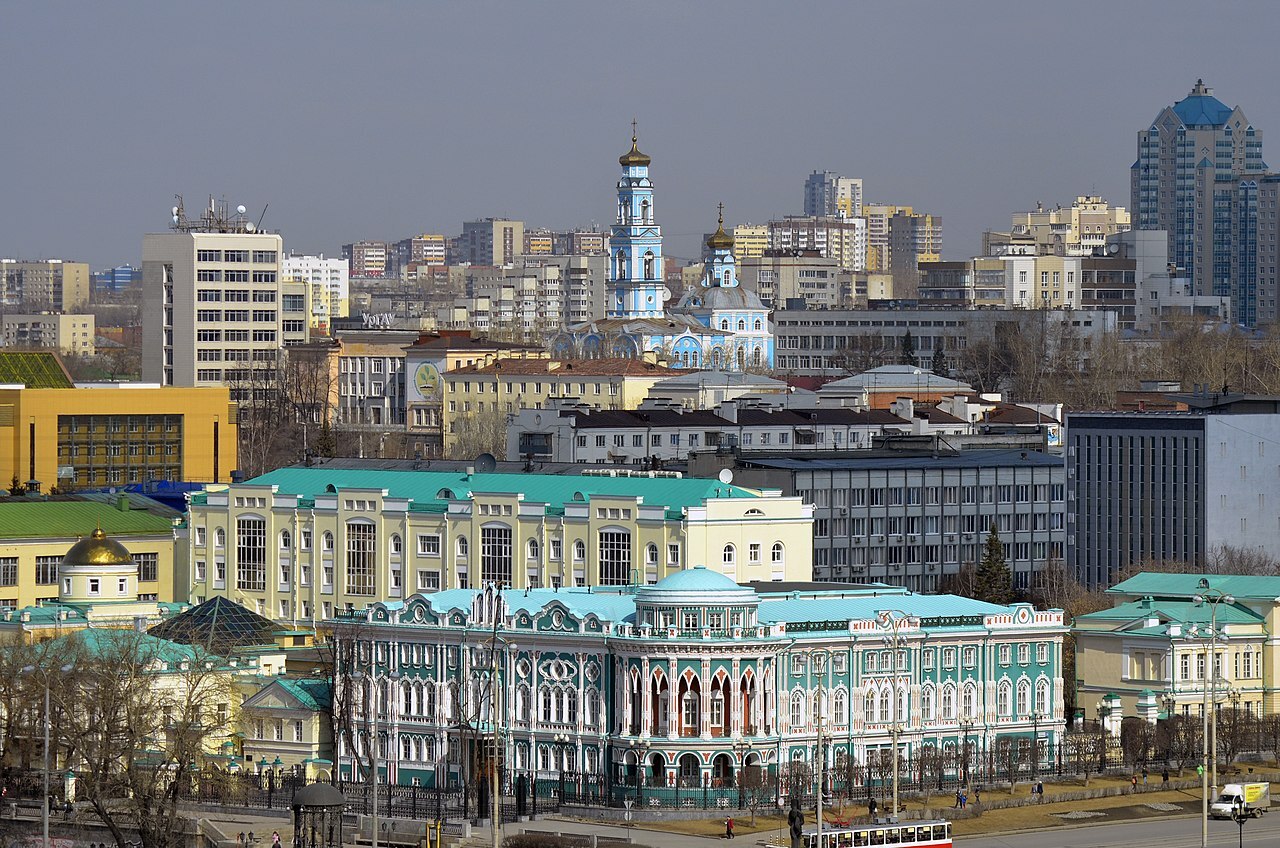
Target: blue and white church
[718,325]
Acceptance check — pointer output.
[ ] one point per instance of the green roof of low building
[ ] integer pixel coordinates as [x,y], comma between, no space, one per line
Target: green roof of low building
[432,490]
[311,692]
[35,369]
[75,515]
[1158,585]
[1174,611]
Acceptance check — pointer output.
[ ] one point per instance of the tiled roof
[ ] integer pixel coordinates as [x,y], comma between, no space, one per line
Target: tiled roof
[937,416]
[1160,585]
[1012,414]
[1180,612]
[425,488]
[77,515]
[567,368]
[35,369]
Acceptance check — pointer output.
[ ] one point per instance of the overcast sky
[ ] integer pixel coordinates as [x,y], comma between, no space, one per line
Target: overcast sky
[380,120]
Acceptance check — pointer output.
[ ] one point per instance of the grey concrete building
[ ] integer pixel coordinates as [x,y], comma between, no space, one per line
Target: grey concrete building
[1161,486]
[910,519]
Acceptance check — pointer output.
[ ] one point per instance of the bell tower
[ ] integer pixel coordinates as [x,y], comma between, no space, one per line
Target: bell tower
[636,288]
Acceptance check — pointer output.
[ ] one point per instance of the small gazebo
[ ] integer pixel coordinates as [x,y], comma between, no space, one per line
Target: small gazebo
[317,816]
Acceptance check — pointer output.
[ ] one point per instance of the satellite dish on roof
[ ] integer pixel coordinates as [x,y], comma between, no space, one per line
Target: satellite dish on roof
[240,210]
[725,476]
[485,464]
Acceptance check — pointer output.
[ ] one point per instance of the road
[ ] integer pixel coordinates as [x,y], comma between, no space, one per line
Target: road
[1182,832]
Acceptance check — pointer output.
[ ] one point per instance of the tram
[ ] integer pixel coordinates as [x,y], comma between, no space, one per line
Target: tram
[932,833]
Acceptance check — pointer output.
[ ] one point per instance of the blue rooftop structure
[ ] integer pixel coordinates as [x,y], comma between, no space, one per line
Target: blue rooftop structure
[1202,110]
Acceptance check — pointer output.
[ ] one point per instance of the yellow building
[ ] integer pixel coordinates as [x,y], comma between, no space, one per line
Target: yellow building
[61,434]
[299,544]
[37,531]
[750,240]
[45,283]
[1151,649]
[509,385]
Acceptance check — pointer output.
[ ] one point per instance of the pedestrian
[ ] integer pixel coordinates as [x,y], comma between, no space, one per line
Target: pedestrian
[275,838]
[1040,791]
[240,839]
[964,800]
[250,837]
[728,827]
[1133,782]
[1164,776]
[1144,776]
[977,794]
[872,806]
[957,799]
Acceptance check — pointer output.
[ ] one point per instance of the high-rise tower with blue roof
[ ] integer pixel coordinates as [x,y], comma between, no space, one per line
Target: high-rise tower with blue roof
[1196,177]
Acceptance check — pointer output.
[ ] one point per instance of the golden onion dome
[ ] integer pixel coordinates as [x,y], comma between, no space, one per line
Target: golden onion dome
[633,156]
[720,240]
[98,550]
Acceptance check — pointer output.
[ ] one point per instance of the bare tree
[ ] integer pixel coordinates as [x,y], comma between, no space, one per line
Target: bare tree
[136,715]
[346,650]
[757,789]
[479,432]
[1009,755]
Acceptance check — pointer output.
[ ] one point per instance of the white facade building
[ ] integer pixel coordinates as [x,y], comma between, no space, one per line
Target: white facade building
[330,285]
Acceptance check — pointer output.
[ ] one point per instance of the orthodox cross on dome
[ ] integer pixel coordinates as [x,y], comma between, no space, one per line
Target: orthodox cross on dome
[633,130]
[720,207]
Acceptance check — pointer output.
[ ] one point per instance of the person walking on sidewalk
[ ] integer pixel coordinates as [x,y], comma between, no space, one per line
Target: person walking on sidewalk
[1164,777]
[1144,777]
[1133,782]
[728,827]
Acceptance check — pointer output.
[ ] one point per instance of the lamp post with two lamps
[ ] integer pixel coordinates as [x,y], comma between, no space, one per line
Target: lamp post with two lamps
[966,728]
[1215,598]
[742,748]
[563,745]
[894,620]
[639,751]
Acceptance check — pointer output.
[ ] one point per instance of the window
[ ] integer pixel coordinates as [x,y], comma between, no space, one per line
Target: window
[1005,654]
[148,567]
[1042,698]
[397,546]
[1042,652]
[651,554]
[797,710]
[9,572]
[361,568]
[428,581]
[535,550]
[461,547]
[729,555]
[1004,699]
[615,557]
[557,549]
[429,545]
[753,553]
[326,542]
[970,657]
[495,554]
[47,570]
[251,554]
[776,554]
[673,554]
[579,550]
[1024,654]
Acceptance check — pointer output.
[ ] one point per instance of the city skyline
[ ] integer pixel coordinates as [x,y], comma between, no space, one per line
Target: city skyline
[262,109]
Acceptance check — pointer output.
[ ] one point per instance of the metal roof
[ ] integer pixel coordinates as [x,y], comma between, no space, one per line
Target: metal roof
[1160,585]
[40,518]
[964,459]
[426,488]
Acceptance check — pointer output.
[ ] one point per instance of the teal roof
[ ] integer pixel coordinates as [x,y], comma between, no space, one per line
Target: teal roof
[580,601]
[1159,585]
[1179,612]
[1202,110]
[697,578]
[834,607]
[430,490]
[108,643]
[312,693]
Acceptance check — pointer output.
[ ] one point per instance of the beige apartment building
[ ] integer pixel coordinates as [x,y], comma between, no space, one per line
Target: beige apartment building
[44,284]
[509,385]
[491,241]
[839,238]
[749,240]
[782,276]
[67,334]
[216,310]
[1075,230]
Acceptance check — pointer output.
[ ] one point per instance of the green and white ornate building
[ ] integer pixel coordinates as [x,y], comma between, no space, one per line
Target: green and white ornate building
[689,680]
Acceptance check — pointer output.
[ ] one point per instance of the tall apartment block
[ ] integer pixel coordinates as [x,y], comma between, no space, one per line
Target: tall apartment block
[367,258]
[826,193]
[1075,230]
[329,283]
[44,284]
[1196,177]
[1171,486]
[491,241]
[836,237]
[215,309]
[914,237]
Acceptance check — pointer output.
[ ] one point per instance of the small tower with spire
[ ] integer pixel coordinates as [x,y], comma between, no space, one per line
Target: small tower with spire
[635,243]
[720,269]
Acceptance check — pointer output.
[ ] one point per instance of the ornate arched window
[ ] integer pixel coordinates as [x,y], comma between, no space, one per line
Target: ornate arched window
[948,702]
[777,554]
[840,707]
[649,265]
[1004,699]
[797,709]
[1024,698]
[620,266]
[730,555]
[1042,697]
[534,549]
[926,703]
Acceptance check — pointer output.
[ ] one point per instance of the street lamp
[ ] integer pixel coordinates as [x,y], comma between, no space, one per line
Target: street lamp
[894,619]
[743,749]
[1036,718]
[821,658]
[562,749]
[495,710]
[966,727]
[639,751]
[1215,598]
[48,725]
[1238,815]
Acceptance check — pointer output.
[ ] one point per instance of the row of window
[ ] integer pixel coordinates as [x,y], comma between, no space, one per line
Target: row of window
[1005,493]
[47,569]
[936,703]
[260,257]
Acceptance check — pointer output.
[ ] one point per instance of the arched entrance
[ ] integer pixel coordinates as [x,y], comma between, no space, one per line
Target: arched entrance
[690,770]
[657,770]
[722,770]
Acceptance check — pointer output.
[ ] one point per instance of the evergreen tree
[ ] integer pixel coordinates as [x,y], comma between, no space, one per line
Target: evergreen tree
[908,349]
[995,582]
[939,364]
[16,488]
[326,444]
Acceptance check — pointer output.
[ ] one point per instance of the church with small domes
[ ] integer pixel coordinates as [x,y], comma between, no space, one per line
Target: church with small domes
[719,325]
